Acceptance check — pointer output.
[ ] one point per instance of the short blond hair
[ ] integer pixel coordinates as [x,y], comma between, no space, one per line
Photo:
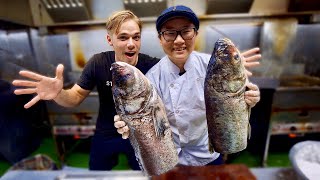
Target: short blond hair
[118,18]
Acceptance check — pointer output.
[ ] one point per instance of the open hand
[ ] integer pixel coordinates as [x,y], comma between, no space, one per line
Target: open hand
[251,58]
[46,88]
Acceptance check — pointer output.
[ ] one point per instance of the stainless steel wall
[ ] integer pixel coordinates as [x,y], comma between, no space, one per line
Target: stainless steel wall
[245,36]
[307,52]
[26,49]
[16,53]
[300,58]
[49,51]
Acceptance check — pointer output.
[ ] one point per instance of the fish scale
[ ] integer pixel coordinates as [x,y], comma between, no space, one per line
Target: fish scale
[139,105]
[226,110]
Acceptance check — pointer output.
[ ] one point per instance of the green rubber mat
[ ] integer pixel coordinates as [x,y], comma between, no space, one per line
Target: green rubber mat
[80,158]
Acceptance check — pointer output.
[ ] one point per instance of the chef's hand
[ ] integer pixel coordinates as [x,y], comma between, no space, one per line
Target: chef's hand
[121,126]
[252,96]
[251,58]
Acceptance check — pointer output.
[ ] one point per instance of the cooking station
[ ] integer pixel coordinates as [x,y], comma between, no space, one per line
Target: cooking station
[295,112]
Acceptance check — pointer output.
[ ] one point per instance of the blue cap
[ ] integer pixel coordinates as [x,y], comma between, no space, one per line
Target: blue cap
[177,11]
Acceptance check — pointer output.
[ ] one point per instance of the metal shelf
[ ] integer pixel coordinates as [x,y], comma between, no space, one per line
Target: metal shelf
[64,27]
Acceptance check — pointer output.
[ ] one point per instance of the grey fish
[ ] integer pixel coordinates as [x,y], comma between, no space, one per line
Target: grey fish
[139,105]
[226,110]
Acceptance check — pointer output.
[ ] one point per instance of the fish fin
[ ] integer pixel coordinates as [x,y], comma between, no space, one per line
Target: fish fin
[140,165]
[159,114]
[158,122]
[249,131]
[249,126]
[211,149]
[137,152]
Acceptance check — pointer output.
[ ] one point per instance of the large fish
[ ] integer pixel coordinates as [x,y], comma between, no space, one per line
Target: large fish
[139,105]
[226,110]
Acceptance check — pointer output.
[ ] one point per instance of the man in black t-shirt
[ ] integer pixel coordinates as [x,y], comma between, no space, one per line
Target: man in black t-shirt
[124,32]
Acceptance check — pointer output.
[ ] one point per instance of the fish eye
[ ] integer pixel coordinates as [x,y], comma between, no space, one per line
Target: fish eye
[236,56]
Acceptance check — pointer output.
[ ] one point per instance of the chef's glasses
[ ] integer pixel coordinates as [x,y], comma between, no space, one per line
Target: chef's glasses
[186,34]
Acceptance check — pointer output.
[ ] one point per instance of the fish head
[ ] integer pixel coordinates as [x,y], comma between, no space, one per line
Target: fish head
[228,66]
[123,74]
[227,54]
[127,80]
[129,87]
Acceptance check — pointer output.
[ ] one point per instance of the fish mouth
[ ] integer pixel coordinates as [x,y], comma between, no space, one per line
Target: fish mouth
[120,73]
[225,49]
[118,68]
[221,45]
[115,66]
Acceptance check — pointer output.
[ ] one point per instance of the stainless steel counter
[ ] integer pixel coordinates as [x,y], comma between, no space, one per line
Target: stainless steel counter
[73,175]
[260,173]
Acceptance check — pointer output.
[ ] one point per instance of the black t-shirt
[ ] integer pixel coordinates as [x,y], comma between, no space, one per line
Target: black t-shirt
[97,73]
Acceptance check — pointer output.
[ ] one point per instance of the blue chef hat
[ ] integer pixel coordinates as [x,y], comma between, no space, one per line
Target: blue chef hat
[177,11]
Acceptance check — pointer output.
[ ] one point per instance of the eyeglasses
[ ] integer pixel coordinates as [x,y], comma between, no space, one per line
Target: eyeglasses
[186,34]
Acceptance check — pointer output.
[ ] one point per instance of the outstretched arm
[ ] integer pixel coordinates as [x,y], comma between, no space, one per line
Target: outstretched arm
[251,58]
[47,88]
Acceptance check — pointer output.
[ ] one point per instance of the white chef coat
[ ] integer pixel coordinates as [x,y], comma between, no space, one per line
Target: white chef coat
[183,97]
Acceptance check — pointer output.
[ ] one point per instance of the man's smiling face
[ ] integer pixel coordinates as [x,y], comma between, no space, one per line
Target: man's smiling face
[126,42]
[179,49]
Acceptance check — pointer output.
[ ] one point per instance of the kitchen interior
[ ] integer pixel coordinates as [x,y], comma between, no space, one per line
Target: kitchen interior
[37,35]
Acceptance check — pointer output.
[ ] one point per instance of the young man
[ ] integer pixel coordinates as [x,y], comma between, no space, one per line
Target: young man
[124,31]
[179,79]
